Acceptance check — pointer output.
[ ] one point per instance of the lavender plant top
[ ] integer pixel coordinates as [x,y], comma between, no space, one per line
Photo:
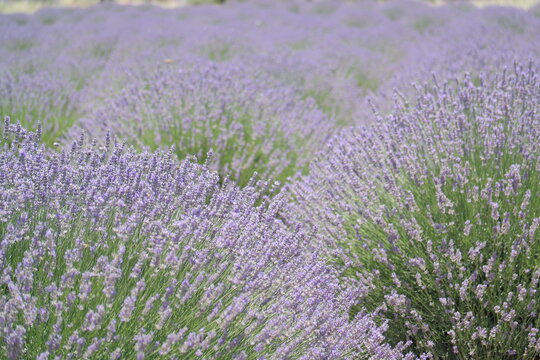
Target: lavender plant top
[251,124]
[105,253]
[437,208]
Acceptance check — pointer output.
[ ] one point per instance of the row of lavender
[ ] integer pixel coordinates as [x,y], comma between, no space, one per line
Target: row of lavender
[418,234]
[218,211]
[264,83]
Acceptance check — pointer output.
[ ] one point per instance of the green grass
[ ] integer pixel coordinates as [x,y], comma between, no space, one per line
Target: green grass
[20,45]
[218,52]
[54,122]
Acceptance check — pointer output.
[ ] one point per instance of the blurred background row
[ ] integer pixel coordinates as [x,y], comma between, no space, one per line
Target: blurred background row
[33,5]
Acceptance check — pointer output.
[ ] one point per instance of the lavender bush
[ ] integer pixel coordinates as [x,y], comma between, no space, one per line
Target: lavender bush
[105,253]
[251,124]
[437,207]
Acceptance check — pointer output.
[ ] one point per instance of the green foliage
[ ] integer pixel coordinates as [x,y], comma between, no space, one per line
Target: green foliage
[197,138]
[54,120]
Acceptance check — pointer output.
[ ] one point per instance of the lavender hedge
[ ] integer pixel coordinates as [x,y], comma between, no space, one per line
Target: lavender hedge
[336,53]
[251,124]
[107,253]
[437,207]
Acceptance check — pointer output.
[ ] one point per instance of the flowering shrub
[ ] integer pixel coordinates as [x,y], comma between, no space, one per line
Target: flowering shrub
[108,253]
[438,208]
[252,125]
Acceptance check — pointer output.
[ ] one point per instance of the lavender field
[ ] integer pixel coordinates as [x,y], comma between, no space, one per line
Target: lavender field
[270,180]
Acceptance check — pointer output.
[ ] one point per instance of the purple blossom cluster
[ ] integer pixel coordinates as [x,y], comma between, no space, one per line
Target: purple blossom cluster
[110,253]
[437,207]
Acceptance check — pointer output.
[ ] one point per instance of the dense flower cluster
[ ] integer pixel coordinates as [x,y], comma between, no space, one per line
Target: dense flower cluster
[438,205]
[250,125]
[106,252]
